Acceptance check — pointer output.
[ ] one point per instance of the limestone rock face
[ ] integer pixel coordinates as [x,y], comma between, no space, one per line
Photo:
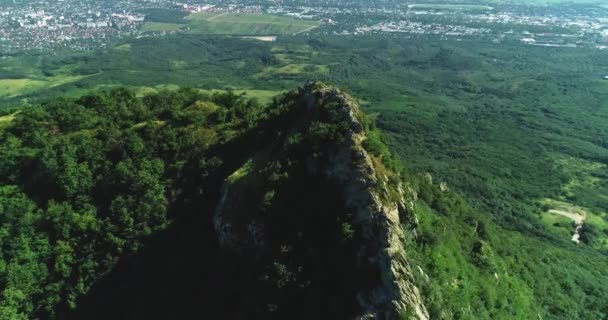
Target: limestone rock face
[365,196]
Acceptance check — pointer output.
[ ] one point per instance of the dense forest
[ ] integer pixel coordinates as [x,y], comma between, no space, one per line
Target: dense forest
[88,181]
[114,190]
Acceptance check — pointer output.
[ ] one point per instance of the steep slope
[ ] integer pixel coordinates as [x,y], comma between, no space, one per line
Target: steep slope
[183,205]
[315,199]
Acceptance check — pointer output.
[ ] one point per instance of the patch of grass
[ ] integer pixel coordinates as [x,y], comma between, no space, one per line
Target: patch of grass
[6,120]
[201,16]
[161,27]
[10,88]
[16,87]
[294,69]
[123,47]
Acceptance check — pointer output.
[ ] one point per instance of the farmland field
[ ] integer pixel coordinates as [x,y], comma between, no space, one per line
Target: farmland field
[234,24]
[162,27]
[246,24]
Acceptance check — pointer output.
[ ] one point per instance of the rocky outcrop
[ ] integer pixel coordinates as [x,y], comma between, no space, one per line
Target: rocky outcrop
[374,212]
[354,169]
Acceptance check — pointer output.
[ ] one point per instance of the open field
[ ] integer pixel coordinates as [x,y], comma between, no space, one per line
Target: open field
[14,87]
[10,88]
[246,24]
[162,27]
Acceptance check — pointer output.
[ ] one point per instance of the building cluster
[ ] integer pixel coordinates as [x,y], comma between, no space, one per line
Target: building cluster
[412,27]
[86,24]
[549,28]
[78,25]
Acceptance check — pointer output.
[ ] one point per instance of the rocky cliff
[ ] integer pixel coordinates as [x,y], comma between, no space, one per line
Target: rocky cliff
[320,136]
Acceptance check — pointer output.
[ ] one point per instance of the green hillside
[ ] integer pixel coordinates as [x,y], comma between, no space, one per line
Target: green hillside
[503,145]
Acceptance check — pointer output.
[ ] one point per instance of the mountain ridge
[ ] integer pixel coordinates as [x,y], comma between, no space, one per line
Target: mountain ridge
[375,210]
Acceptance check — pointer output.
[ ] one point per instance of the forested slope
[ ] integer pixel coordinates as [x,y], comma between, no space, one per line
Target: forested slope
[88,181]
[111,206]
[108,206]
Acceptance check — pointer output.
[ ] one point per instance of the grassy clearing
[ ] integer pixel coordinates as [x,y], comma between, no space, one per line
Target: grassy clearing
[123,47]
[10,88]
[201,16]
[565,226]
[63,79]
[563,206]
[246,24]
[263,96]
[559,224]
[15,87]
[293,54]
[162,27]
[292,70]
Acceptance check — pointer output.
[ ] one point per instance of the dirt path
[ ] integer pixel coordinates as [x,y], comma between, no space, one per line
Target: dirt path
[577,218]
[307,29]
[217,16]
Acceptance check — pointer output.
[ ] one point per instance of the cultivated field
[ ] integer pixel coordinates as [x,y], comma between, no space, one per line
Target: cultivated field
[246,24]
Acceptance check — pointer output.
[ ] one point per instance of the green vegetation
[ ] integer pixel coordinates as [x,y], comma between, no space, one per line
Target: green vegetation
[85,182]
[503,127]
[92,183]
[559,224]
[162,27]
[472,269]
[14,87]
[6,120]
[263,96]
[165,15]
